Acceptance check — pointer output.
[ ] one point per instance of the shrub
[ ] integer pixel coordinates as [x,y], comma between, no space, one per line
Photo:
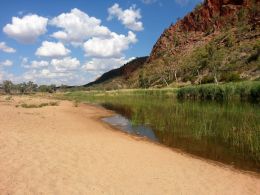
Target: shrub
[54,103]
[24,105]
[255,93]
[76,103]
[230,76]
[8,86]
[207,79]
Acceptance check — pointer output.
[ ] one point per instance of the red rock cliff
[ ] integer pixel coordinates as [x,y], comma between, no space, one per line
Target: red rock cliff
[208,17]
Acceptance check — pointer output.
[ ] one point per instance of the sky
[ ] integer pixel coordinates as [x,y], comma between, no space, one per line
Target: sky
[73,42]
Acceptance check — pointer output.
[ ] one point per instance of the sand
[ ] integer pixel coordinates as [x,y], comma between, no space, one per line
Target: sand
[67,150]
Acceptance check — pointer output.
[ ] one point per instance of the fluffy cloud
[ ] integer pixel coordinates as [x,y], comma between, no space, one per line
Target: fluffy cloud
[4,75]
[34,64]
[58,71]
[129,17]
[104,49]
[5,48]
[44,74]
[65,64]
[109,47]
[50,76]
[78,26]
[97,64]
[52,49]
[26,29]
[6,63]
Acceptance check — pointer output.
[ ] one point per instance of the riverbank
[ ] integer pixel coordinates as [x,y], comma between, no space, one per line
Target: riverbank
[64,149]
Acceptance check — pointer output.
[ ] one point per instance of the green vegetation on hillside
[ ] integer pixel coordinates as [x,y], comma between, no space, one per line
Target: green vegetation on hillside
[223,59]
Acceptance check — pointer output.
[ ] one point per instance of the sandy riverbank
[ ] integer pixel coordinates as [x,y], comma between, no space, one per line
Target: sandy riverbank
[66,150]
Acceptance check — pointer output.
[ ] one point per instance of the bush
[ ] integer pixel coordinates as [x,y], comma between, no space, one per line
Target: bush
[229,77]
[255,93]
[24,105]
[8,86]
[207,79]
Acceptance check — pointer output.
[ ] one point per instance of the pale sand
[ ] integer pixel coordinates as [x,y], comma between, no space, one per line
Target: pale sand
[66,150]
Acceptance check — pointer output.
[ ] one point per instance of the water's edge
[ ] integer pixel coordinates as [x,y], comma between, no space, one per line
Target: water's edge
[125,125]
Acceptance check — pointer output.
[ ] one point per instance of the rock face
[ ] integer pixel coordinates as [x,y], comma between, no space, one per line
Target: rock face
[206,18]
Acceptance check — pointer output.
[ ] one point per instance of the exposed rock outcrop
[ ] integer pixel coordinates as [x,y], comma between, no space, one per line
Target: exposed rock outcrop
[206,18]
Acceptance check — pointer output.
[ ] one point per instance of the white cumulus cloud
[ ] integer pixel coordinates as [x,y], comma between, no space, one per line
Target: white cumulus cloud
[77,26]
[26,29]
[101,64]
[65,64]
[109,47]
[6,48]
[6,63]
[52,49]
[130,18]
[34,64]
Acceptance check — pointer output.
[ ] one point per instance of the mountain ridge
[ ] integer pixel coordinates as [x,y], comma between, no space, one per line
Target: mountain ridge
[219,41]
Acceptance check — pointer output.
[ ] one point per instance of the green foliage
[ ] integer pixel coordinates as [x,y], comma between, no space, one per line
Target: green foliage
[29,87]
[207,79]
[7,86]
[176,41]
[26,88]
[243,17]
[143,81]
[47,88]
[244,91]
[230,77]
[230,40]
[255,54]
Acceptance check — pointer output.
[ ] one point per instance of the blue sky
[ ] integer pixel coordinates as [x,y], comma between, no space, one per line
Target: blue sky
[75,41]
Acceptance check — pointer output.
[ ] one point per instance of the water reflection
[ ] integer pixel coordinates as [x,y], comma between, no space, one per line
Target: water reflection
[229,133]
[125,125]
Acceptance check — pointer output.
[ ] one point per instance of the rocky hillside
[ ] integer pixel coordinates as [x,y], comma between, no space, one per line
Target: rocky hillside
[207,18]
[219,41]
[120,75]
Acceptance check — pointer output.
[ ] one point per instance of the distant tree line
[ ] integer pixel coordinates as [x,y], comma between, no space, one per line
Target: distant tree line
[8,87]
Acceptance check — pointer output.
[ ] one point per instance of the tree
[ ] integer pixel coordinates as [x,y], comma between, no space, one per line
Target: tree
[52,88]
[31,87]
[8,86]
[22,87]
[47,88]
[143,81]
[215,59]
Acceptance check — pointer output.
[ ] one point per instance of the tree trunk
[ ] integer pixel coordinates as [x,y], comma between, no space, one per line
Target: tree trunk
[215,78]
[165,81]
[199,77]
[175,75]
